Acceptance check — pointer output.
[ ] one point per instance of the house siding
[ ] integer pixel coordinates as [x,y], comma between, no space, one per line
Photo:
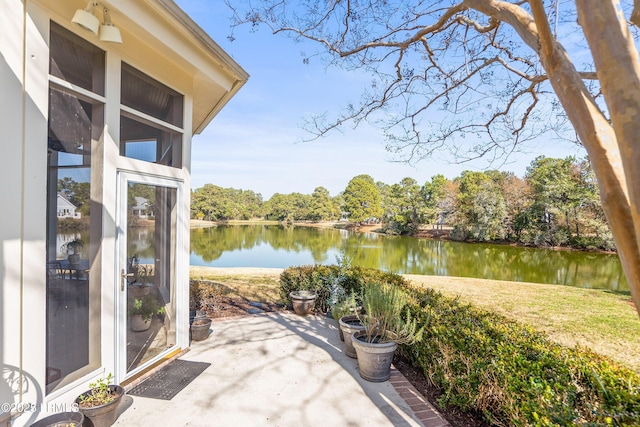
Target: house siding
[174,56]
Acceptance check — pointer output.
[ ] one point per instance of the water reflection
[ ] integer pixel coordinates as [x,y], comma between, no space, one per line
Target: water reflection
[281,247]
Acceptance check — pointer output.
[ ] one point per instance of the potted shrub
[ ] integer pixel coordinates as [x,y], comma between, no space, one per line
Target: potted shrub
[303,301]
[145,274]
[72,248]
[384,328]
[344,307]
[100,403]
[143,283]
[141,311]
[348,322]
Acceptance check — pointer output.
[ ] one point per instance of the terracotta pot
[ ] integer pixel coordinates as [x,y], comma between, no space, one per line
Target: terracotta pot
[303,301]
[348,325]
[374,359]
[102,415]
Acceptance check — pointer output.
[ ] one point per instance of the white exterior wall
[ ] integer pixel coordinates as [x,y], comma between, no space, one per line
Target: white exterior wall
[189,68]
[11,79]
[23,120]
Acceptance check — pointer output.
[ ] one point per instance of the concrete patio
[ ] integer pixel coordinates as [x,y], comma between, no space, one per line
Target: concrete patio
[280,370]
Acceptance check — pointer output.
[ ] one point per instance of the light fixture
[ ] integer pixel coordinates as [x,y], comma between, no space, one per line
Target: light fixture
[87,19]
[108,31]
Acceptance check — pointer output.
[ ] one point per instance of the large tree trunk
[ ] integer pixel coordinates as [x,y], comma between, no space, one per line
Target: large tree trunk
[611,151]
[614,153]
[616,60]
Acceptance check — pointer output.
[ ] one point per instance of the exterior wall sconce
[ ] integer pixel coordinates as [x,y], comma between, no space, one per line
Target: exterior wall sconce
[87,19]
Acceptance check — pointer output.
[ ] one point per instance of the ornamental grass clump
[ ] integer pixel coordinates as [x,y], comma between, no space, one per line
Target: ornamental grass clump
[383,319]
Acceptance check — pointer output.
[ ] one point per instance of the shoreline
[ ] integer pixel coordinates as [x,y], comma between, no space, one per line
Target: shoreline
[423,233]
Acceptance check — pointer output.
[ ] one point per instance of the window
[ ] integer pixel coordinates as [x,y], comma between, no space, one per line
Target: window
[73,223]
[75,60]
[151,119]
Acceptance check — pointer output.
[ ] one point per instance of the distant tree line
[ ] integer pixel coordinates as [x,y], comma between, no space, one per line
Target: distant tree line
[555,204]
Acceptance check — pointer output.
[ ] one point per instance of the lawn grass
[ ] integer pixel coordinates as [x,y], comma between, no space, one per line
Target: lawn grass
[603,321]
[254,284]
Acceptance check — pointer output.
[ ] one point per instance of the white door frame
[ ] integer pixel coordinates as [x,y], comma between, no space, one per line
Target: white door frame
[120,298]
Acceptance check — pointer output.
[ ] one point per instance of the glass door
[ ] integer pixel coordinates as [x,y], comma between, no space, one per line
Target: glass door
[147,243]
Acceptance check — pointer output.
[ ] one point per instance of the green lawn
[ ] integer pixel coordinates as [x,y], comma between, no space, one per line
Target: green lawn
[604,321]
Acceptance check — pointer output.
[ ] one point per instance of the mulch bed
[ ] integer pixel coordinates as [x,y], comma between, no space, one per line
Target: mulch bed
[237,307]
[416,377]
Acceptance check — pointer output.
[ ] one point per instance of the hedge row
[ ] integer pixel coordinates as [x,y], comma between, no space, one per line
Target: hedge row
[485,363]
[320,278]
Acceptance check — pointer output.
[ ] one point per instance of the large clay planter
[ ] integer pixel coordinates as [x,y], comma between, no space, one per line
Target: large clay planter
[102,415]
[62,419]
[374,360]
[348,325]
[303,301]
[200,329]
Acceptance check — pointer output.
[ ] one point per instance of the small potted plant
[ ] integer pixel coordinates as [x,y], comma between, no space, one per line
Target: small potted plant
[143,283]
[345,312]
[72,248]
[141,311]
[100,403]
[384,328]
[145,274]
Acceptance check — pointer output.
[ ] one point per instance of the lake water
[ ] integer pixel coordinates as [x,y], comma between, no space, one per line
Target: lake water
[282,247]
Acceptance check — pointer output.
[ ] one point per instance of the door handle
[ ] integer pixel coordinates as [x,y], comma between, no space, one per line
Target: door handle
[123,278]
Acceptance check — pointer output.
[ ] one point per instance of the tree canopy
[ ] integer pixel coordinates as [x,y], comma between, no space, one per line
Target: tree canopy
[478,77]
[479,206]
[362,199]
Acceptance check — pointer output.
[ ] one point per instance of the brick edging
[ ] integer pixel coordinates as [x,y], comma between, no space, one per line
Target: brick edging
[420,406]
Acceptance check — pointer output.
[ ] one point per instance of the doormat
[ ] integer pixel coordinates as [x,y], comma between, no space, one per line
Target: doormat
[168,381]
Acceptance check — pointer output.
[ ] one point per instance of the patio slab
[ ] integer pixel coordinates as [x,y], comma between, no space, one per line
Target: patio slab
[275,369]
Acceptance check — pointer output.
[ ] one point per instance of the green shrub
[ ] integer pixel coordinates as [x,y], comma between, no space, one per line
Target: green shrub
[484,363]
[308,278]
[319,278]
[513,375]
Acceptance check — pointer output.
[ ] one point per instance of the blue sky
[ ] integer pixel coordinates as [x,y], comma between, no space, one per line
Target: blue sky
[255,142]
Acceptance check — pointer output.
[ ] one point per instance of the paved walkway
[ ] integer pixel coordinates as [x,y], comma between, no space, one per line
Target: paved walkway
[280,370]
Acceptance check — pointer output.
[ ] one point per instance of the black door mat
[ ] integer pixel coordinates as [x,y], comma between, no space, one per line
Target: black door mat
[168,381]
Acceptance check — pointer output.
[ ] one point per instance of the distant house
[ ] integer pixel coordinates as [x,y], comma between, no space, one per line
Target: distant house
[113,109]
[66,209]
[142,209]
